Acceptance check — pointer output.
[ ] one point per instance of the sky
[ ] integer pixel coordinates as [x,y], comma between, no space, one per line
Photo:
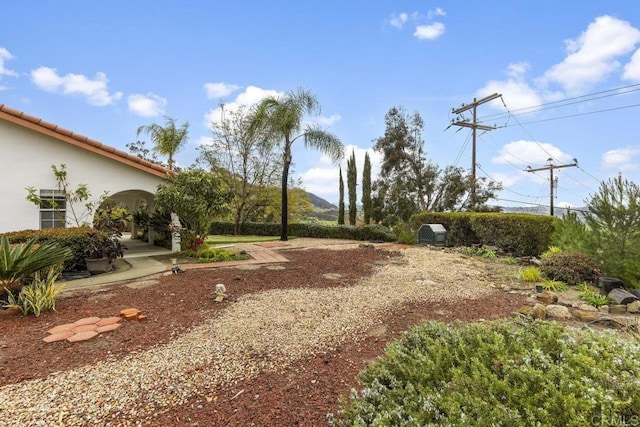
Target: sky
[568,73]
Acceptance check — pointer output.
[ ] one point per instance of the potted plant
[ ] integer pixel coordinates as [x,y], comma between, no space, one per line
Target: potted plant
[101,250]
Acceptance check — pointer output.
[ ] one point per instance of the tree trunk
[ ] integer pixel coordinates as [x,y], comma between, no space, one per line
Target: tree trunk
[285,201]
[620,296]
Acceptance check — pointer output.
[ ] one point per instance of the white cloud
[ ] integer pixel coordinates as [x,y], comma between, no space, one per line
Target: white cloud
[430,31]
[326,121]
[94,89]
[5,55]
[593,56]
[322,178]
[529,153]
[436,12]
[632,68]
[251,96]
[398,20]
[149,105]
[220,89]
[508,179]
[621,159]
[516,92]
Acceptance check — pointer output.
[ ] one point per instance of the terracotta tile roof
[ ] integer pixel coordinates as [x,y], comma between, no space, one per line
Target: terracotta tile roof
[34,123]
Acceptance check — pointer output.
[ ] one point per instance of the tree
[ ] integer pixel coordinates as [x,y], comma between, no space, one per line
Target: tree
[281,118]
[409,184]
[613,224]
[246,163]
[140,149]
[366,189]
[341,201]
[197,197]
[352,177]
[167,139]
[76,202]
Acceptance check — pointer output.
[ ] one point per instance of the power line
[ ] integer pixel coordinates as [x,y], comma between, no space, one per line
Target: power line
[550,167]
[606,110]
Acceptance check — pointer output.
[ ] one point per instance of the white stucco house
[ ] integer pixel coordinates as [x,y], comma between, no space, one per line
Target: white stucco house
[29,146]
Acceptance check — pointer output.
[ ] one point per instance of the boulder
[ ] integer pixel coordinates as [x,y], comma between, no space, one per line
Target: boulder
[587,307]
[539,311]
[617,309]
[586,316]
[560,312]
[547,297]
[633,307]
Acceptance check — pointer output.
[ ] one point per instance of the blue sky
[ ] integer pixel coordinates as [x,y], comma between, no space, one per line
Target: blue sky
[102,69]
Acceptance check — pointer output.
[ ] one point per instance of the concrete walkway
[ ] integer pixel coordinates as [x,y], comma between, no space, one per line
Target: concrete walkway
[136,264]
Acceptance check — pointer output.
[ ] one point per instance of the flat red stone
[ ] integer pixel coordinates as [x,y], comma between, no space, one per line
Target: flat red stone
[61,328]
[58,336]
[108,321]
[109,327]
[82,328]
[86,321]
[82,336]
[126,311]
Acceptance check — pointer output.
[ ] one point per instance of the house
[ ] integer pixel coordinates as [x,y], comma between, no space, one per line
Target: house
[31,146]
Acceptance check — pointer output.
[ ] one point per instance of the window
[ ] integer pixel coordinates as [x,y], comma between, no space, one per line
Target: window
[53,208]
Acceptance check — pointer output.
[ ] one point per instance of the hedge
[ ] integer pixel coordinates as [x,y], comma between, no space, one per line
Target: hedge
[366,232]
[517,234]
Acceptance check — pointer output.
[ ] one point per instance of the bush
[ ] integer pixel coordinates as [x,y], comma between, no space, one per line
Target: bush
[404,233]
[350,232]
[39,296]
[572,268]
[498,373]
[530,274]
[592,297]
[207,254]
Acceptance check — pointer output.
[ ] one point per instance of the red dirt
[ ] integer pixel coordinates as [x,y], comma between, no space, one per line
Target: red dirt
[302,396]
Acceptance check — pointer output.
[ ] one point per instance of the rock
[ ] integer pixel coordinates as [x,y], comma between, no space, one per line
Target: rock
[547,297]
[558,312]
[221,289]
[587,307]
[603,309]
[586,316]
[527,310]
[617,309]
[539,312]
[633,307]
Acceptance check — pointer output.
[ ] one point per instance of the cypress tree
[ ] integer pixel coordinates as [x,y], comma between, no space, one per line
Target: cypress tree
[341,201]
[367,205]
[352,177]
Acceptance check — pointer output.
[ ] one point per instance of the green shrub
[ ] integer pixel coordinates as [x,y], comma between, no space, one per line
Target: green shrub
[509,260]
[404,233]
[22,260]
[481,252]
[572,268]
[207,254]
[529,274]
[518,234]
[350,232]
[497,373]
[39,296]
[592,297]
[551,251]
[554,286]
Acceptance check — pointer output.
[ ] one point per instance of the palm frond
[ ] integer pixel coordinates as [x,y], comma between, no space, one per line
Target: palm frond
[325,142]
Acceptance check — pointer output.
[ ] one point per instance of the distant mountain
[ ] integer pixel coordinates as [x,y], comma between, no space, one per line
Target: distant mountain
[322,209]
[543,210]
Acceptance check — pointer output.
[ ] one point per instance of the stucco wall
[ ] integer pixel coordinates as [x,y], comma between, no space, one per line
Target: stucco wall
[26,157]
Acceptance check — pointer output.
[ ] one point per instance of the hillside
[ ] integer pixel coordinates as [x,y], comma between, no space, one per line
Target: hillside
[322,209]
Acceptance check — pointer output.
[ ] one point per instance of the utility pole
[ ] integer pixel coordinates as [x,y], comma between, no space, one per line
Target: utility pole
[550,167]
[474,125]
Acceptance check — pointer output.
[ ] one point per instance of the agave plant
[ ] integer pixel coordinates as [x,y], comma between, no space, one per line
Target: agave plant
[25,259]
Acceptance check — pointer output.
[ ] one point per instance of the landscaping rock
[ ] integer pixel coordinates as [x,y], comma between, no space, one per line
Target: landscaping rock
[558,312]
[587,307]
[603,309]
[527,310]
[539,312]
[547,297]
[586,316]
[633,307]
[617,309]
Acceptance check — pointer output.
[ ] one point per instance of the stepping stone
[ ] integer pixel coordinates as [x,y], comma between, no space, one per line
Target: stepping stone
[58,336]
[82,328]
[108,321]
[62,328]
[108,328]
[82,336]
[86,321]
[130,313]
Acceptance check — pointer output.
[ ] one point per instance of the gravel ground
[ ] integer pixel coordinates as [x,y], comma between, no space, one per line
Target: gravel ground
[264,332]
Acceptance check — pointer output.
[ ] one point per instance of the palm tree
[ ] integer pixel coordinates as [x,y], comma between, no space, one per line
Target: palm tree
[167,139]
[282,118]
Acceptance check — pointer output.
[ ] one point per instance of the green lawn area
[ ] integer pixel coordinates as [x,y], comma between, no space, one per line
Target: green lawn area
[219,239]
